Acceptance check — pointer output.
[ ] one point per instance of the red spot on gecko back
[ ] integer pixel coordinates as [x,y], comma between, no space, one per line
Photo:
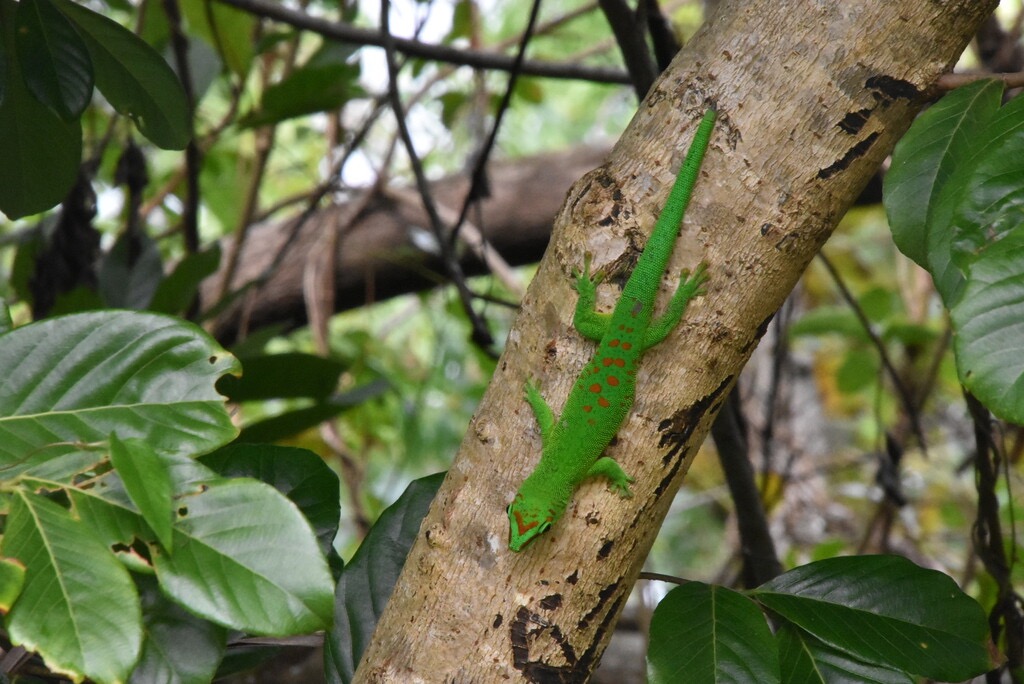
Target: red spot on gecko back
[602,402]
[614,343]
[626,346]
[595,388]
[619,362]
[613,381]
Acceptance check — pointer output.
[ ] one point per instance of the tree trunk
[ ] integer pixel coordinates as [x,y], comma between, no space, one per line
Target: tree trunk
[811,98]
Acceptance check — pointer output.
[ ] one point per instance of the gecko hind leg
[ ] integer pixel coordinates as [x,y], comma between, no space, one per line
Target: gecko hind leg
[608,467]
[689,287]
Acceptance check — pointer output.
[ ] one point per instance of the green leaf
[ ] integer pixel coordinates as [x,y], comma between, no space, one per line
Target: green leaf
[61,614]
[829,319]
[463,22]
[878,303]
[29,248]
[56,63]
[909,333]
[130,272]
[924,160]
[282,376]
[244,557]
[134,78]
[858,370]
[6,322]
[992,198]
[805,660]
[702,633]
[115,520]
[367,581]
[299,474]
[12,579]
[147,481]
[79,299]
[231,32]
[294,422]
[179,648]
[73,380]
[989,324]
[451,103]
[3,60]
[888,611]
[324,83]
[176,292]
[154,28]
[107,507]
[40,151]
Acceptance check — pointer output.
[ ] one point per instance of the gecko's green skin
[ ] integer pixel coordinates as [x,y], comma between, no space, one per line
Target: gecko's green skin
[603,396]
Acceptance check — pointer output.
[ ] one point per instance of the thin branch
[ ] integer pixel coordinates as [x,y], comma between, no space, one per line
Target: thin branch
[779,356]
[909,406]
[478,180]
[659,577]
[193,155]
[663,38]
[264,136]
[481,335]
[630,34]
[1006,619]
[442,53]
[206,141]
[760,560]
[313,200]
[952,81]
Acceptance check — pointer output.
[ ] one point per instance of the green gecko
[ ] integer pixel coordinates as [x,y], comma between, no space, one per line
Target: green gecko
[601,399]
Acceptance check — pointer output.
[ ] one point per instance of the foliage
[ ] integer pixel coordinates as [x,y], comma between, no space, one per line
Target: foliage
[120,467]
[101,421]
[368,580]
[55,53]
[954,199]
[866,618]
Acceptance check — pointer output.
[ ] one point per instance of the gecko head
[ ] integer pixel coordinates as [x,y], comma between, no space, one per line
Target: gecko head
[527,519]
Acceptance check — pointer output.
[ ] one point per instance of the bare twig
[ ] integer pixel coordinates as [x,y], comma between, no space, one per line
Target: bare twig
[952,81]
[478,183]
[663,38]
[481,335]
[193,155]
[630,34]
[443,53]
[660,577]
[910,407]
[760,560]
[1006,619]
